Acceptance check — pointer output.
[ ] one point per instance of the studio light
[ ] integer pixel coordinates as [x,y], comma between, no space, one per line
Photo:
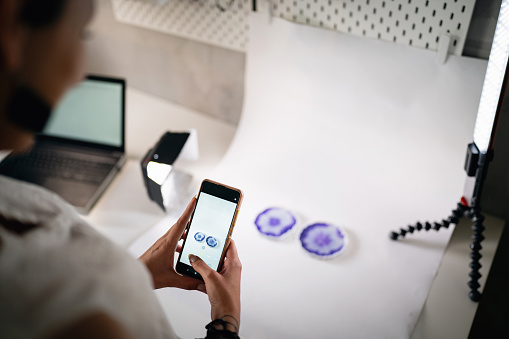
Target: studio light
[165,185]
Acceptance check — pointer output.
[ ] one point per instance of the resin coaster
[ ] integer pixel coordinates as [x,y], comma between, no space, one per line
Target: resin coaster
[275,222]
[323,240]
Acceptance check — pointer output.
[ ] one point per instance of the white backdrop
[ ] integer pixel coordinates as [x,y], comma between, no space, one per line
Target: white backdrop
[360,133]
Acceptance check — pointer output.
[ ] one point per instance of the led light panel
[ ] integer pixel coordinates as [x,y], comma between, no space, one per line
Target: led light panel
[493,81]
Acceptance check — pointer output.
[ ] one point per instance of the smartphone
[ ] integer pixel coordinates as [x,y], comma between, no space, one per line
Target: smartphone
[210,227]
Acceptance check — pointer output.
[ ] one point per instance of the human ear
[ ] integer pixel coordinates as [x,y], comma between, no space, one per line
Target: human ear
[11,35]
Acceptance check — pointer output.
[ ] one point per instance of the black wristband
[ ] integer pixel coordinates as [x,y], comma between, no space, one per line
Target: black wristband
[214,333]
[28,110]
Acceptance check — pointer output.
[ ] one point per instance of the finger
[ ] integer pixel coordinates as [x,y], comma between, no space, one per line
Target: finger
[184,218]
[175,233]
[179,248]
[187,283]
[231,253]
[201,267]
[232,261]
[184,235]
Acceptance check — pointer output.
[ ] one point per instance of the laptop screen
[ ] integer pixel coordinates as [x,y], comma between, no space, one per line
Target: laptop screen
[92,111]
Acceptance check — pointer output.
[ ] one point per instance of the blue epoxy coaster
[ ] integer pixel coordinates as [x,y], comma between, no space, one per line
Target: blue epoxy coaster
[323,240]
[275,222]
[199,236]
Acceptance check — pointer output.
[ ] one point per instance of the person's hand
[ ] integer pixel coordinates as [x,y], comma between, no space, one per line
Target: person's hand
[223,289]
[159,258]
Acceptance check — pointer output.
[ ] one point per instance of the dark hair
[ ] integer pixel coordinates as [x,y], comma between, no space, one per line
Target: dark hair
[40,13]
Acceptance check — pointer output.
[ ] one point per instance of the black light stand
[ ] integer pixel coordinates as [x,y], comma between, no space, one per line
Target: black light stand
[476,165]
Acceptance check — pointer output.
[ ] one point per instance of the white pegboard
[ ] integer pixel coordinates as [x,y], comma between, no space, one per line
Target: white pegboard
[200,20]
[418,23]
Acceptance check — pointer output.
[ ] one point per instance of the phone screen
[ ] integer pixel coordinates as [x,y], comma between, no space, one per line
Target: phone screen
[210,226]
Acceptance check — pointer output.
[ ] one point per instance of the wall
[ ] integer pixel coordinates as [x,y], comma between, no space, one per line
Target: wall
[210,79]
[206,78]
[482,28]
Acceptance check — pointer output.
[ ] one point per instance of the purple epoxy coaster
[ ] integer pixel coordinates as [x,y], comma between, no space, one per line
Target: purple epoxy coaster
[323,240]
[275,222]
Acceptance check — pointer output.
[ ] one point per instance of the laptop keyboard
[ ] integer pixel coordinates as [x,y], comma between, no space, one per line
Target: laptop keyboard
[55,164]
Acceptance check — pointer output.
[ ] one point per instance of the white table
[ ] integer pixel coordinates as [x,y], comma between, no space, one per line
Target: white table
[361,133]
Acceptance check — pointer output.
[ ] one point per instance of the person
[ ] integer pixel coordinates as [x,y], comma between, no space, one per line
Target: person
[59,277]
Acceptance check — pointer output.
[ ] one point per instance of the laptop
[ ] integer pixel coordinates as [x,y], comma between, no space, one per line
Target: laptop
[82,147]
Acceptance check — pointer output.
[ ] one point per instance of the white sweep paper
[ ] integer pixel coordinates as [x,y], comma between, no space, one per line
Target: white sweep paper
[354,132]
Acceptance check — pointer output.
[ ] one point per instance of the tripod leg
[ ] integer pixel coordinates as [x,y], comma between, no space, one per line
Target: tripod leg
[454,218]
[475,255]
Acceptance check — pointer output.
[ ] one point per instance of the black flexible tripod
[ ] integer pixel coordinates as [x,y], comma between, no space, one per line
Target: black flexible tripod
[476,165]
[475,246]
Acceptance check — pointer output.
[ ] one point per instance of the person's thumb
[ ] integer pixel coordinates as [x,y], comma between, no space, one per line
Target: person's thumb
[200,266]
